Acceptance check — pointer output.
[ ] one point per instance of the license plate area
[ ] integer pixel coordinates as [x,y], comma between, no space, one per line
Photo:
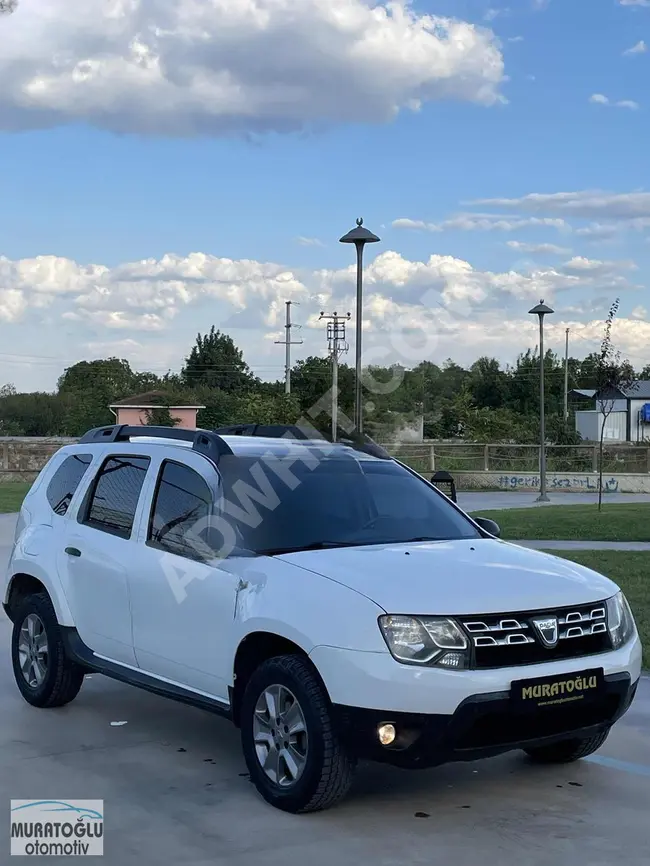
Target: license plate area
[559,690]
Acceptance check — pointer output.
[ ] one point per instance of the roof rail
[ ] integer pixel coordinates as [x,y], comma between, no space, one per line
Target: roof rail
[205,442]
[361,443]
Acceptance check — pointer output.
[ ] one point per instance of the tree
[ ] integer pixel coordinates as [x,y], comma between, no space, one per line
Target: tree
[8,6]
[614,380]
[161,417]
[487,383]
[311,379]
[34,414]
[215,361]
[91,387]
[8,390]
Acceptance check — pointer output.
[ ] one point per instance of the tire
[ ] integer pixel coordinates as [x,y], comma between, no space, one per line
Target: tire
[568,751]
[54,680]
[327,767]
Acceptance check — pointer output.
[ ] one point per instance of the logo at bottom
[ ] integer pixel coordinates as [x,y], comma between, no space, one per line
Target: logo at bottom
[57,828]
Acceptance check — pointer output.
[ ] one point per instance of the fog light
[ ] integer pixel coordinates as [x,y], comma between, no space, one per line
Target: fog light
[386,734]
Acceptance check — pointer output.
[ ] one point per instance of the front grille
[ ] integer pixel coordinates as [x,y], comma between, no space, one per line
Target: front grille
[506,640]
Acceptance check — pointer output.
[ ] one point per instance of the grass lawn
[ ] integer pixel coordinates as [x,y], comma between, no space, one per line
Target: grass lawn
[631,571]
[627,522]
[12,494]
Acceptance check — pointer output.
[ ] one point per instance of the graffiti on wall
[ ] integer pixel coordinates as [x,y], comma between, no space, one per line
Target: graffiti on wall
[516,482]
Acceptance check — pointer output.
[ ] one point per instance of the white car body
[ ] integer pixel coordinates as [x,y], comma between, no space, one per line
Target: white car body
[174,624]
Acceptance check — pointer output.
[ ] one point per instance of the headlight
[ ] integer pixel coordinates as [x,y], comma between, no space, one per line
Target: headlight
[620,620]
[425,640]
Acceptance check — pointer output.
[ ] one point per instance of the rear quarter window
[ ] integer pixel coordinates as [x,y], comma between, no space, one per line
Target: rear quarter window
[66,479]
[115,495]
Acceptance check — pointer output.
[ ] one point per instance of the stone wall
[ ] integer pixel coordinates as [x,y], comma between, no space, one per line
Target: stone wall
[22,458]
[556,482]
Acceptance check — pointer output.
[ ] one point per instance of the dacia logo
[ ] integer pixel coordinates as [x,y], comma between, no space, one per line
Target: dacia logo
[547,630]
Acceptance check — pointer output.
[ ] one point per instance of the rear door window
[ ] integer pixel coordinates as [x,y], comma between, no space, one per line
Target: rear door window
[179,517]
[115,494]
[65,481]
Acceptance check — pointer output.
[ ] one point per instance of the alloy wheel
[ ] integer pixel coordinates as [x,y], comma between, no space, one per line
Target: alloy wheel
[33,655]
[280,735]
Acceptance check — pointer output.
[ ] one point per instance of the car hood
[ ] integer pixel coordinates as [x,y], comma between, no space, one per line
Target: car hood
[457,577]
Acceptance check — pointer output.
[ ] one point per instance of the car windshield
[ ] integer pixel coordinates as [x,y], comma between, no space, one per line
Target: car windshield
[277,505]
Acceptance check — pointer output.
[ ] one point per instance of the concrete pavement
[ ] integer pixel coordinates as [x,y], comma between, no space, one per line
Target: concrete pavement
[176,792]
[489,501]
[638,546]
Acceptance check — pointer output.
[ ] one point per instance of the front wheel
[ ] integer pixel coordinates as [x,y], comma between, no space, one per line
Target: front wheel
[44,674]
[294,756]
[568,751]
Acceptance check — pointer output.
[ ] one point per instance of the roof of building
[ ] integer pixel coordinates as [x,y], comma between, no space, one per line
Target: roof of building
[154,400]
[638,390]
[582,392]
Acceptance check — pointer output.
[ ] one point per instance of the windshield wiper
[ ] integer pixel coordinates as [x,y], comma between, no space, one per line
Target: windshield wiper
[315,545]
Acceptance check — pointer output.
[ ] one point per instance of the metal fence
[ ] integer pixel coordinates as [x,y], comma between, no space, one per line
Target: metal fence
[473,457]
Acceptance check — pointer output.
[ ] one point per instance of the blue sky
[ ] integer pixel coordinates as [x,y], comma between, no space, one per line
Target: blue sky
[136,138]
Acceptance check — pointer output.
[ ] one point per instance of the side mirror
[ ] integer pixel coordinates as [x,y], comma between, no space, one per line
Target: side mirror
[489,526]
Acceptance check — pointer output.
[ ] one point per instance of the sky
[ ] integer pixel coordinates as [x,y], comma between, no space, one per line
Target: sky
[167,165]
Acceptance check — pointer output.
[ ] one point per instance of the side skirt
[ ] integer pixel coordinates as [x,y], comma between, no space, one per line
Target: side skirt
[78,652]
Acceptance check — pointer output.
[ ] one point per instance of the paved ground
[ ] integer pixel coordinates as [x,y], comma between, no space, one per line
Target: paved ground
[490,501]
[175,791]
[642,546]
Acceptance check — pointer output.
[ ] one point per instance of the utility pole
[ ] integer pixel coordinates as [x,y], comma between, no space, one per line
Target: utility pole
[337,346]
[566,377]
[288,343]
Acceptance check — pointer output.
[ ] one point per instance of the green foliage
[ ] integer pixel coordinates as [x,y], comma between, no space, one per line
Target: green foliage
[215,361]
[32,415]
[90,387]
[161,417]
[485,403]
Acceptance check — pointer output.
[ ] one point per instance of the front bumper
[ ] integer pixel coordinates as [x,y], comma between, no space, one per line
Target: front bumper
[482,726]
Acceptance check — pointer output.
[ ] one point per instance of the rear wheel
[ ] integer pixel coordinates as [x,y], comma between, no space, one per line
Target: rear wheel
[295,758]
[568,751]
[43,673]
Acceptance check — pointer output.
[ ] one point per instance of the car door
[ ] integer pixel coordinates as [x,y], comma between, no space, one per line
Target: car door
[182,599]
[96,553]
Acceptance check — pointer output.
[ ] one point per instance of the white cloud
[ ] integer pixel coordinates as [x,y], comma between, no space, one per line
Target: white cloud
[468,222]
[590,204]
[639,48]
[12,305]
[150,310]
[582,265]
[534,249]
[597,231]
[516,39]
[639,313]
[309,242]
[601,99]
[221,67]
[634,2]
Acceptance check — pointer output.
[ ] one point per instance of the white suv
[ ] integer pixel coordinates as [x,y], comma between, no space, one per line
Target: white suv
[324,597]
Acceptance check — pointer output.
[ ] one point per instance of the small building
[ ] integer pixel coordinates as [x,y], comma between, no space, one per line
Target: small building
[628,421]
[139,409]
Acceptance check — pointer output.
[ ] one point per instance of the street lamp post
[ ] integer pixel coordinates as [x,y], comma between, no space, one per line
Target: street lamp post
[359,237]
[541,310]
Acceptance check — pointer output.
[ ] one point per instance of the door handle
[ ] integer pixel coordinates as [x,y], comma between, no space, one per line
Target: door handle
[73,551]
